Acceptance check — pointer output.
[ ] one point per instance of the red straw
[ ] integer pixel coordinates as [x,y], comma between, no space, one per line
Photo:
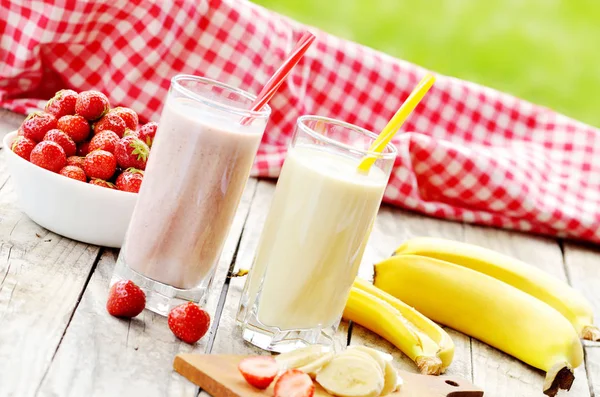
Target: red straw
[274,82]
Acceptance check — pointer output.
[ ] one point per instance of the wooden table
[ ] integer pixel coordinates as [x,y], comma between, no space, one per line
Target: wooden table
[56,338]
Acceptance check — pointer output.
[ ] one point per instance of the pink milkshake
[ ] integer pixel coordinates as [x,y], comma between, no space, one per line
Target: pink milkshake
[196,173]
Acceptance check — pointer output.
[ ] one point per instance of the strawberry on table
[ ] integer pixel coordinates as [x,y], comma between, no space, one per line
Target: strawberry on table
[23,146]
[259,371]
[125,299]
[73,172]
[147,133]
[102,183]
[294,383]
[189,322]
[74,126]
[48,155]
[76,161]
[106,140]
[62,103]
[65,141]
[37,124]
[100,164]
[132,152]
[130,180]
[92,105]
[110,122]
[129,117]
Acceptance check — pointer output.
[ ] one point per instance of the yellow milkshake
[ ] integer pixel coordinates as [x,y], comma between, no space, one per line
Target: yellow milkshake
[314,238]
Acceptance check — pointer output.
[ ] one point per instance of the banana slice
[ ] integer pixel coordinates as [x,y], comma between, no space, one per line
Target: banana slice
[351,375]
[374,354]
[313,367]
[301,357]
[392,381]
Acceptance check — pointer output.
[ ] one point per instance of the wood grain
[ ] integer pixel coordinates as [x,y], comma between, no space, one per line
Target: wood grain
[582,263]
[129,357]
[42,275]
[500,374]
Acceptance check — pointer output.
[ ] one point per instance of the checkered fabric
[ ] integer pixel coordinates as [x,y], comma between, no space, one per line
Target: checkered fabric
[469,153]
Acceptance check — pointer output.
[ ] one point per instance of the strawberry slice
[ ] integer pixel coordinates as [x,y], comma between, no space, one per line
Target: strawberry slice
[259,371]
[294,383]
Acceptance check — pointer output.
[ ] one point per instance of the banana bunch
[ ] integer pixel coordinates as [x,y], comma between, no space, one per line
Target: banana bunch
[423,341]
[527,278]
[358,371]
[486,308]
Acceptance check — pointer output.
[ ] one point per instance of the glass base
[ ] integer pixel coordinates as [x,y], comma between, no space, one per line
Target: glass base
[276,340]
[160,298]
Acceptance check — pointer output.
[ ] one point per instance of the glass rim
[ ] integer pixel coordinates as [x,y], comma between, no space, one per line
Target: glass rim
[390,151]
[265,112]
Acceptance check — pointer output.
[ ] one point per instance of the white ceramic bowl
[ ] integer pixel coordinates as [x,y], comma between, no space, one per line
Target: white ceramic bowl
[77,210]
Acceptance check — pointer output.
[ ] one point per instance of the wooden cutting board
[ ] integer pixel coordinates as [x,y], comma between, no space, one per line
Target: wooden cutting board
[218,375]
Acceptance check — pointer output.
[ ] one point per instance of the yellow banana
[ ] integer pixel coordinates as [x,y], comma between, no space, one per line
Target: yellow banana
[388,321]
[489,310]
[527,278]
[416,321]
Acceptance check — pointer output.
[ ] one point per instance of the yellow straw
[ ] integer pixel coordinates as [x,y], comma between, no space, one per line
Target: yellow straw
[396,122]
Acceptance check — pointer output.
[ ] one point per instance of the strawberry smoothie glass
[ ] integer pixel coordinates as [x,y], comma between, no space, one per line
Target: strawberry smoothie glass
[200,162]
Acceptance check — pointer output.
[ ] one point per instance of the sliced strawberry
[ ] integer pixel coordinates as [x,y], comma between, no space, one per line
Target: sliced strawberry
[259,371]
[294,383]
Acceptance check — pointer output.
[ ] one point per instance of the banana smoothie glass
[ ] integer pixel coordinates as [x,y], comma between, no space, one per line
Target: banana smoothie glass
[314,235]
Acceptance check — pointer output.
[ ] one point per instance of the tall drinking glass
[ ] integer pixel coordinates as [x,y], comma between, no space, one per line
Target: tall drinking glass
[314,236]
[196,173]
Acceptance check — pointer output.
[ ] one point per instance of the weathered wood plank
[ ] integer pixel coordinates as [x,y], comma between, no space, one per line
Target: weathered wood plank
[9,121]
[42,276]
[499,374]
[582,265]
[102,355]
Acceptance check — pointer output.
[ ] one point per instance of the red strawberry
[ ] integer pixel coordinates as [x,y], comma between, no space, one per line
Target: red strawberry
[294,383]
[63,140]
[125,299]
[48,155]
[102,183]
[147,133]
[106,140]
[129,117]
[83,149]
[23,146]
[76,161]
[73,172]
[259,371]
[37,124]
[132,152]
[92,105]
[74,126]
[130,180]
[189,322]
[62,104]
[100,164]
[110,122]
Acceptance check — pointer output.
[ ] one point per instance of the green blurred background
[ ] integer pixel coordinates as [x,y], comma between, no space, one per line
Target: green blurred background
[545,51]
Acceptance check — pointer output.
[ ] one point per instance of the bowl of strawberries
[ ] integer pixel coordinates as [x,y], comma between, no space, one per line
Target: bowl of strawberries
[77,166]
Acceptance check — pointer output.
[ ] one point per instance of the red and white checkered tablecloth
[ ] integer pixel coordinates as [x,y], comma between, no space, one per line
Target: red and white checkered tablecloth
[469,153]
